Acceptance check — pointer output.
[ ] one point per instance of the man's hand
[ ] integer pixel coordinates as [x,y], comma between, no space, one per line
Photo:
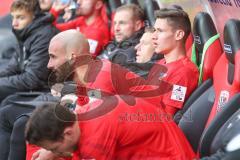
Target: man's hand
[43,154]
[59,6]
[56,89]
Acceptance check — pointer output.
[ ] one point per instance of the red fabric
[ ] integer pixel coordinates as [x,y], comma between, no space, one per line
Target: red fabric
[182,72]
[97,33]
[102,81]
[188,45]
[223,90]
[124,134]
[212,55]
[31,149]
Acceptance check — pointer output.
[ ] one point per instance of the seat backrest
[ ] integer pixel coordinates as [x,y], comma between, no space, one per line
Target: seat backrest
[193,121]
[222,128]
[150,6]
[112,6]
[131,1]
[206,48]
[226,84]
[226,73]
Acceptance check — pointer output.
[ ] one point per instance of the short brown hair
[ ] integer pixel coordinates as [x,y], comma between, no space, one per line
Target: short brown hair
[138,13]
[27,5]
[176,18]
[48,122]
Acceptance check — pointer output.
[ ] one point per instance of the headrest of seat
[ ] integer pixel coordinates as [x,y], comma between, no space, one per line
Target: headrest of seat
[203,29]
[131,1]
[114,4]
[231,39]
[149,7]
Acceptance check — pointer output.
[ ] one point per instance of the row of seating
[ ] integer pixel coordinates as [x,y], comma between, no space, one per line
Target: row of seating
[206,112]
[217,98]
[149,6]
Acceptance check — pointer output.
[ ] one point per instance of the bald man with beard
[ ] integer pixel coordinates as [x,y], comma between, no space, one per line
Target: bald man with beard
[65,52]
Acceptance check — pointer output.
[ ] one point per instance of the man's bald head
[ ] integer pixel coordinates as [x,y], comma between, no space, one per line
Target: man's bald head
[66,46]
[72,41]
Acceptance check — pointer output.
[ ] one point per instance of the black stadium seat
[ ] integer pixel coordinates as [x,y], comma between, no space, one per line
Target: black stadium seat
[232,83]
[131,1]
[150,6]
[204,52]
[206,48]
[222,96]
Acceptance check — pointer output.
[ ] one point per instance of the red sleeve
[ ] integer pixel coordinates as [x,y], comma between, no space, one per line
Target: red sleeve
[184,82]
[68,25]
[62,26]
[175,98]
[97,38]
[31,149]
[54,13]
[98,138]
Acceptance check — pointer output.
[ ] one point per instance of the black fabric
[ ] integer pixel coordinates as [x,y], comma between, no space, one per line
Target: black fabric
[232,155]
[17,139]
[230,107]
[225,134]
[195,95]
[131,2]
[195,118]
[142,69]
[8,116]
[150,7]
[231,39]
[125,47]
[227,130]
[203,30]
[12,124]
[113,5]
[217,156]
[27,70]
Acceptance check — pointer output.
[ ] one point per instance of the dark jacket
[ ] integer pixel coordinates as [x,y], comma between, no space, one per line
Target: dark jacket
[27,70]
[125,47]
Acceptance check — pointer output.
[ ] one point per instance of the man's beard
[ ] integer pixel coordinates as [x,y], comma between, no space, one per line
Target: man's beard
[64,73]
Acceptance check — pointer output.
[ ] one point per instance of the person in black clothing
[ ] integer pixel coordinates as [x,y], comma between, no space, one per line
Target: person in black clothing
[128,29]
[27,70]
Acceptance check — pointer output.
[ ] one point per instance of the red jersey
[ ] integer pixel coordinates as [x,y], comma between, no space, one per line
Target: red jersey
[133,132]
[97,32]
[99,82]
[182,75]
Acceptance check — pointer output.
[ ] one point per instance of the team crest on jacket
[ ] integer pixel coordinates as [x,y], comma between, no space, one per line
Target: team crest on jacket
[223,98]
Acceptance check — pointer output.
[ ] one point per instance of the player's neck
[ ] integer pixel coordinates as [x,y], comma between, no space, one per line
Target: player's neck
[175,55]
[80,74]
[91,18]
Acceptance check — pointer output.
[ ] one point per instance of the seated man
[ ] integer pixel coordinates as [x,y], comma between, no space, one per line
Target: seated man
[172,28]
[92,76]
[27,70]
[128,29]
[109,136]
[63,50]
[89,21]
